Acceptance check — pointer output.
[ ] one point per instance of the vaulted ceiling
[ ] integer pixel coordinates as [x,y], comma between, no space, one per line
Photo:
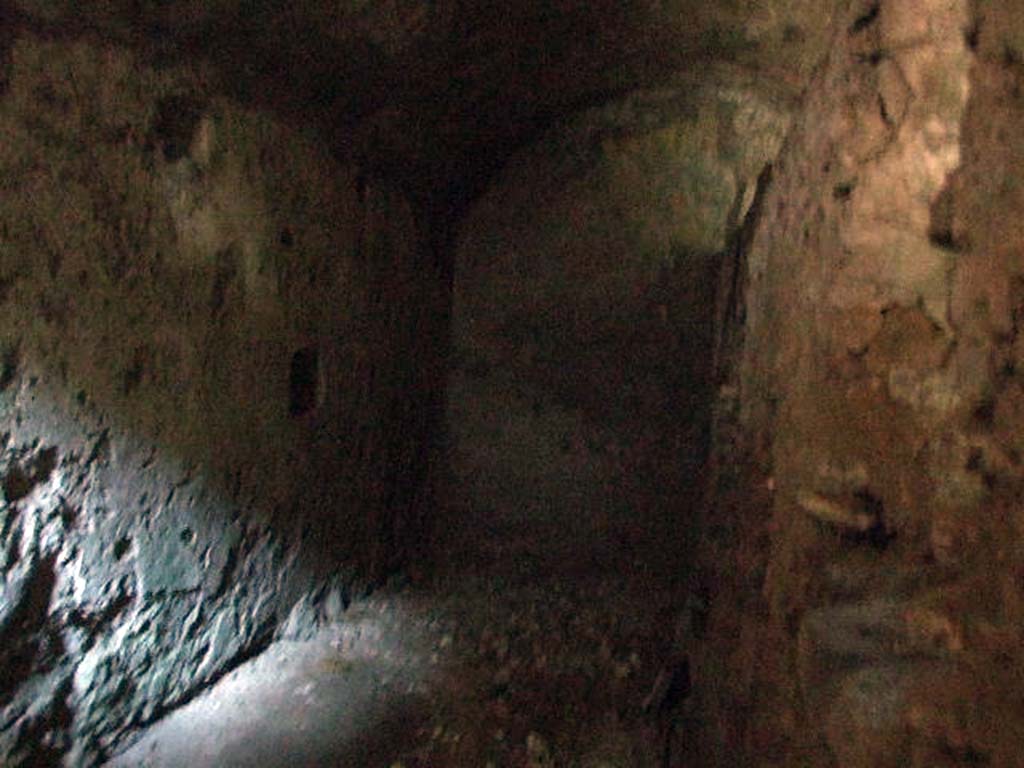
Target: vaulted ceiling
[438,93]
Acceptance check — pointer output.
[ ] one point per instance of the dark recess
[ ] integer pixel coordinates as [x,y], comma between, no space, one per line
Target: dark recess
[941,227]
[8,367]
[174,126]
[972,35]
[303,382]
[879,535]
[867,19]
[121,547]
[842,191]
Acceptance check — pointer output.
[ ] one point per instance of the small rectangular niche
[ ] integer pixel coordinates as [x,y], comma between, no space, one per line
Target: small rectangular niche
[304,385]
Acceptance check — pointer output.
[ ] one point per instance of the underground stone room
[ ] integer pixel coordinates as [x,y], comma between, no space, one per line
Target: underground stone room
[512,383]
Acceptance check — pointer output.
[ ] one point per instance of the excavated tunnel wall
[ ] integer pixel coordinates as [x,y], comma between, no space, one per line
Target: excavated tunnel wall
[222,350]
[863,544]
[584,313]
[210,402]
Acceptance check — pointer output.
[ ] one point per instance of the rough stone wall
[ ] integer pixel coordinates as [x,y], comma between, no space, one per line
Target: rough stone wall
[208,394]
[584,304]
[878,405]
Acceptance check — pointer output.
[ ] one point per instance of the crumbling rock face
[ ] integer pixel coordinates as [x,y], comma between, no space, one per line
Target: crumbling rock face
[876,405]
[208,399]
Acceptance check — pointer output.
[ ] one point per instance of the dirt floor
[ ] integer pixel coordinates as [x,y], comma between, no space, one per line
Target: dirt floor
[557,609]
